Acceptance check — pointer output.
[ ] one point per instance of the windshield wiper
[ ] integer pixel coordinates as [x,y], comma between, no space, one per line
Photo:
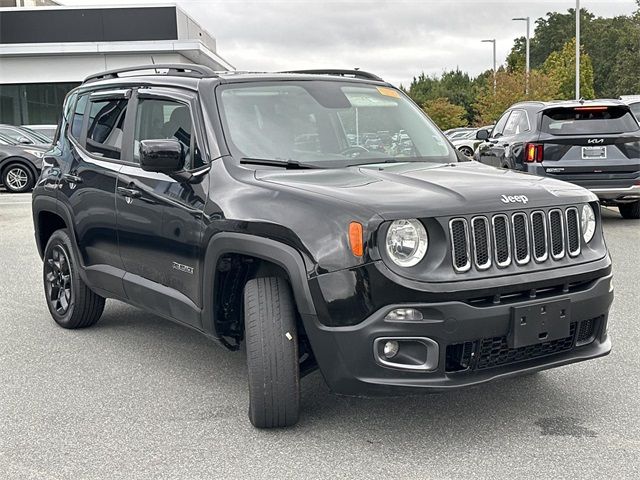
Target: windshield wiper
[289,164]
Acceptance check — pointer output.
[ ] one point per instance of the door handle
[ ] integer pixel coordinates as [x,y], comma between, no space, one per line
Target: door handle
[70,178]
[129,192]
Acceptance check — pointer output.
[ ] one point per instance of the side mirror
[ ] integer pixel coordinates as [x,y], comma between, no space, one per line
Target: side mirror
[482,134]
[164,156]
[24,141]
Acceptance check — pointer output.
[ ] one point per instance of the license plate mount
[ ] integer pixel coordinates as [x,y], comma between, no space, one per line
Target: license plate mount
[539,323]
[594,153]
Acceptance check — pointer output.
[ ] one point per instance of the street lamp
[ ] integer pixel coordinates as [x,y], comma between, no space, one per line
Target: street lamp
[526,74]
[577,49]
[494,61]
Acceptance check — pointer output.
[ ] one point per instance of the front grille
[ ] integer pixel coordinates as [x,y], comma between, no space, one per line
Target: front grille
[495,352]
[517,238]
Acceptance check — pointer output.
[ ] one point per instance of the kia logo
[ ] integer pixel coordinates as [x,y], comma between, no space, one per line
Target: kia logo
[514,199]
[595,140]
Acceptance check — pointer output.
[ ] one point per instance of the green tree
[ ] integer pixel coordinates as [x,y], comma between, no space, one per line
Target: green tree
[510,89]
[561,66]
[445,114]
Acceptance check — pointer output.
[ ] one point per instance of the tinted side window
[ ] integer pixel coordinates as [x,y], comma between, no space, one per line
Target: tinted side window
[499,128]
[517,123]
[161,119]
[106,120]
[78,116]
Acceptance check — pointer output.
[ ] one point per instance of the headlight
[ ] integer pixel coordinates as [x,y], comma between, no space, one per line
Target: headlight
[588,222]
[35,153]
[407,242]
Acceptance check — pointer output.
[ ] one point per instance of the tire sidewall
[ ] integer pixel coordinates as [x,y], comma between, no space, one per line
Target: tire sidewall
[61,238]
[26,169]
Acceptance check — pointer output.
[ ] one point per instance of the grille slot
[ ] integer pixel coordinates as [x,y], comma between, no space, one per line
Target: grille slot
[539,235]
[520,238]
[459,231]
[480,232]
[556,230]
[502,240]
[573,231]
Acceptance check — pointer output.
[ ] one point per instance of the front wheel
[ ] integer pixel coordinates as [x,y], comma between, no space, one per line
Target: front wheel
[466,151]
[71,303]
[272,353]
[17,178]
[630,211]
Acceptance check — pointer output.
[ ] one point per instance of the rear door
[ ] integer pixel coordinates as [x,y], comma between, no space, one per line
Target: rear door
[87,182]
[160,217]
[590,145]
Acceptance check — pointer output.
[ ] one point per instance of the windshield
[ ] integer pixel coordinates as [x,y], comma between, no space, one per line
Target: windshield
[338,123]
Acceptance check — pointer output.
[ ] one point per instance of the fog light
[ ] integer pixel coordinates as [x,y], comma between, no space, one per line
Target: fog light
[390,349]
[404,315]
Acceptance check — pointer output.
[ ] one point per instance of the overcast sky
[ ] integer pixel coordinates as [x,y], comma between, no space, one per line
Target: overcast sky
[395,39]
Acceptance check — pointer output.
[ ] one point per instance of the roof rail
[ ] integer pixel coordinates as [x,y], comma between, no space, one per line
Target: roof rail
[340,73]
[173,69]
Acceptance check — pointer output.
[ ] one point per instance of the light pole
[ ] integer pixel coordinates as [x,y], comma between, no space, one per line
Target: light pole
[526,72]
[494,61]
[577,49]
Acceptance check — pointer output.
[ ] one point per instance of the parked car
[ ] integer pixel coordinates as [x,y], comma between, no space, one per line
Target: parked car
[191,199]
[592,143]
[20,165]
[46,131]
[468,143]
[24,136]
[458,132]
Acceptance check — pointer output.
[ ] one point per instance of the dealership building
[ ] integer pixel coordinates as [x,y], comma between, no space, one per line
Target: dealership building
[46,50]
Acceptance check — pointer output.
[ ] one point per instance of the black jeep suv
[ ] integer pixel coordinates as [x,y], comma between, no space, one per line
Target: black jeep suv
[245,206]
[594,144]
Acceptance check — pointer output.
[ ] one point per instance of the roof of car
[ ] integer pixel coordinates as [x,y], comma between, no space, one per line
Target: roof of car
[190,75]
[604,102]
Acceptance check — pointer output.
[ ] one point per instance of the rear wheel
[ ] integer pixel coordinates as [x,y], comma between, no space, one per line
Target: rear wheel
[17,178]
[71,303]
[630,211]
[272,353]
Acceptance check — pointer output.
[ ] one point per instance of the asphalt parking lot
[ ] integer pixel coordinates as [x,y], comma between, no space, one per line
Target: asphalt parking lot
[140,397]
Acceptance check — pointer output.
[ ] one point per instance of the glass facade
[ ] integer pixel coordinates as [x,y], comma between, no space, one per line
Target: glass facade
[33,103]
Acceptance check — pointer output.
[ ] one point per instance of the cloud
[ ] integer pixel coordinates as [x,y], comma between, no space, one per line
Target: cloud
[394,39]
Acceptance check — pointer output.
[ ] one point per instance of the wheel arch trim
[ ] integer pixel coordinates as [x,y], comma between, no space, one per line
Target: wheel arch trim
[273,251]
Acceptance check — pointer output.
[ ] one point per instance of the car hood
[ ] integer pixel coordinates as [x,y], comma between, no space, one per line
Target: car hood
[419,189]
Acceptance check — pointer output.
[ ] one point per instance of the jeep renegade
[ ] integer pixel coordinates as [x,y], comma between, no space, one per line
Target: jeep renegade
[255,208]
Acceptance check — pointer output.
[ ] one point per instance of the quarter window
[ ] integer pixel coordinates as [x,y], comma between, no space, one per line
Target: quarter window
[105,131]
[165,119]
[78,116]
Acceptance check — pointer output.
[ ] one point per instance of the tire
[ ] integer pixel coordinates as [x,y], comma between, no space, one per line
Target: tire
[630,211]
[466,151]
[272,353]
[71,303]
[17,178]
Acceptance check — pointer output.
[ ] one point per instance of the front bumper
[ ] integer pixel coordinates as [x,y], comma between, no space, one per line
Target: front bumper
[347,360]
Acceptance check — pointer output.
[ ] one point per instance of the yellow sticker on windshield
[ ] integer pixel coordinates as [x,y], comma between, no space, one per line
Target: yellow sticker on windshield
[388,92]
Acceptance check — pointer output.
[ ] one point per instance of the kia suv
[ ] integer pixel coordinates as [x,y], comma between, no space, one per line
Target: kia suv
[246,207]
[594,144]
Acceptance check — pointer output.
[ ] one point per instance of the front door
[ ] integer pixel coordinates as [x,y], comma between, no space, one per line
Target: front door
[160,217]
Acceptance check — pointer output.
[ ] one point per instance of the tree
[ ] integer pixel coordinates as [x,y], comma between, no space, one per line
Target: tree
[561,66]
[458,87]
[445,114]
[510,90]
